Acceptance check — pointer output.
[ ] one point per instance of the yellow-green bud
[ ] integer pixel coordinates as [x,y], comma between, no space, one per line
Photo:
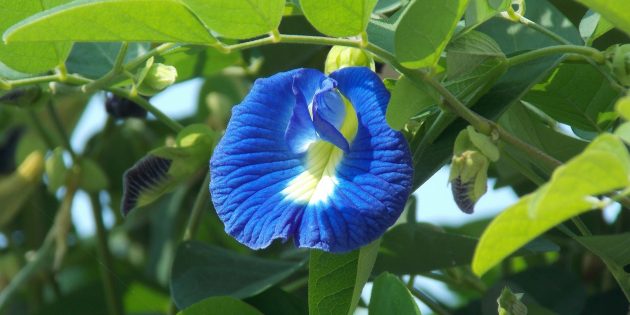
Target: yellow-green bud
[620,64]
[340,57]
[156,77]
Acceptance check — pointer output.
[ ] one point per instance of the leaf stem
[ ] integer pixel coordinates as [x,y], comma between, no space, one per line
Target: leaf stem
[40,129]
[34,80]
[62,131]
[592,53]
[113,302]
[110,76]
[543,30]
[134,63]
[174,125]
[292,39]
[427,300]
[201,204]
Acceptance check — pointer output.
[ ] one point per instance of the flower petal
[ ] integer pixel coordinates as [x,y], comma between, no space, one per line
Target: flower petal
[373,178]
[262,190]
[300,132]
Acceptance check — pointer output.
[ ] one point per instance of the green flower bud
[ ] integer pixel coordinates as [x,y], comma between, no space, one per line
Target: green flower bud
[620,63]
[510,303]
[469,174]
[155,77]
[340,57]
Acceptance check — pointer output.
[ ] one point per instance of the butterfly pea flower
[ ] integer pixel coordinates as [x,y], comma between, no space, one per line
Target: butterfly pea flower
[311,158]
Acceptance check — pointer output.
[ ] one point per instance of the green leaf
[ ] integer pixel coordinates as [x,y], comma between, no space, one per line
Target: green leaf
[93,60]
[239,19]
[603,166]
[413,248]
[140,298]
[479,11]
[200,271]
[469,52]
[408,100]
[513,37]
[385,6]
[623,132]
[614,11]
[416,46]
[592,26]
[335,281]
[510,303]
[30,57]
[508,89]
[56,170]
[613,249]
[390,296]
[7,73]
[93,178]
[523,122]
[623,107]
[223,305]
[575,94]
[113,20]
[468,81]
[381,33]
[278,302]
[338,18]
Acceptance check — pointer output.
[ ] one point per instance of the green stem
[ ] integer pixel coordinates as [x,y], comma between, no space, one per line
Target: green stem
[581,226]
[120,58]
[201,205]
[34,80]
[36,122]
[543,30]
[589,52]
[113,302]
[174,125]
[110,76]
[532,151]
[292,39]
[292,286]
[134,63]
[62,131]
[427,300]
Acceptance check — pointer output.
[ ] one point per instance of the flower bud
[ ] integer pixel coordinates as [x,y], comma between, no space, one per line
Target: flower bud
[468,179]
[620,64]
[340,57]
[156,77]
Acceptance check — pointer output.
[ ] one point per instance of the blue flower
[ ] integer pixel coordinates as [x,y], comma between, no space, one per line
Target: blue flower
[312,158]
